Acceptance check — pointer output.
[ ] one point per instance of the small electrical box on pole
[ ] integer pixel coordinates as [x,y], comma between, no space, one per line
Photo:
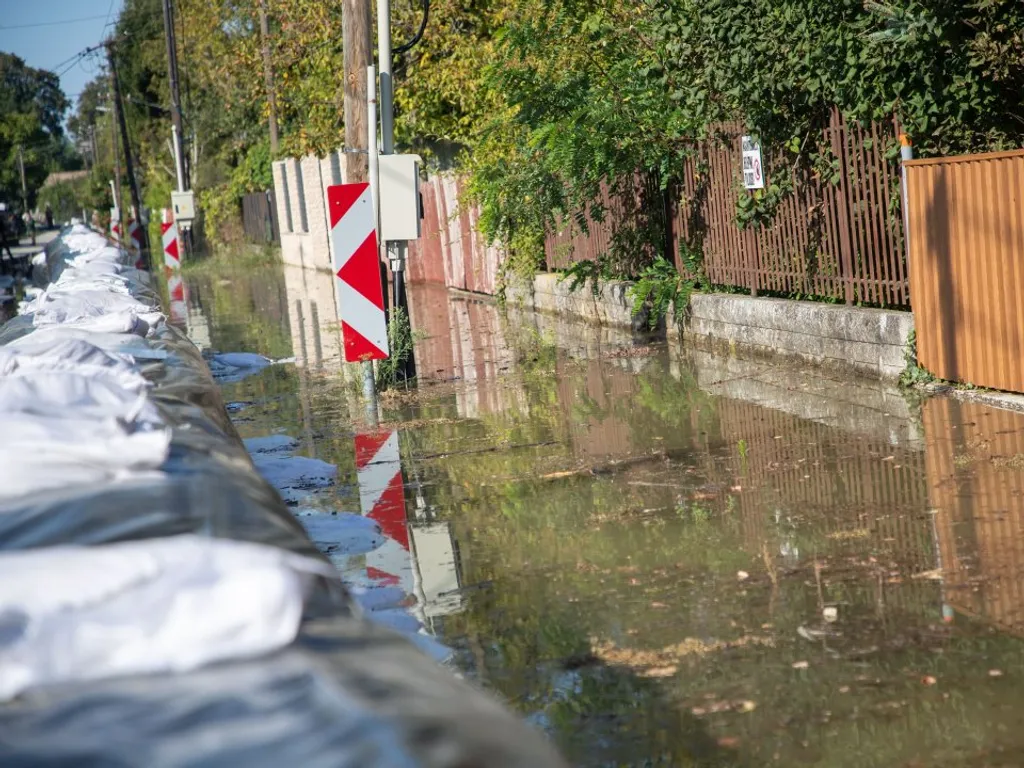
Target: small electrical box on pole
[399,197]
[184,207]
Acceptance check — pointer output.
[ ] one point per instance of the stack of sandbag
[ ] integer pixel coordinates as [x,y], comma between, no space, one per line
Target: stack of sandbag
[159,604]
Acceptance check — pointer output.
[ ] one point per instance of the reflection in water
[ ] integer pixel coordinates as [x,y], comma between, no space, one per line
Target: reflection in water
[665,557]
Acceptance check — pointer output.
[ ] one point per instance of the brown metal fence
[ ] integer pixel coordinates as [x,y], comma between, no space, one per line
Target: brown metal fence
[829,240]
[643,202]
[966,225]
[259,218]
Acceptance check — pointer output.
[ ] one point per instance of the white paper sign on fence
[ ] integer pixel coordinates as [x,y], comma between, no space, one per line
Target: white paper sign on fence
[753,171]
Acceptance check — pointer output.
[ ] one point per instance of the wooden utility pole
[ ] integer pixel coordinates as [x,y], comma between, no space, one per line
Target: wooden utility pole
[268,76]
[355,30]
[128,165]
[178,133]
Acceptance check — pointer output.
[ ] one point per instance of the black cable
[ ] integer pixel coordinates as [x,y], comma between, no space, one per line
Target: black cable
[419,33]
[51,23]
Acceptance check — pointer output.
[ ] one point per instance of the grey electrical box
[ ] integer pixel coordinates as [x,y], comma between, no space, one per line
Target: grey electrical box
[184,206]
[400,197]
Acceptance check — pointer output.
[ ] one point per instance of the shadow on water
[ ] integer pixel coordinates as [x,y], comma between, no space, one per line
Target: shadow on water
[663,557]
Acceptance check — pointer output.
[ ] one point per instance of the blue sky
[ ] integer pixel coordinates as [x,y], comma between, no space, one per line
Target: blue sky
[44,47]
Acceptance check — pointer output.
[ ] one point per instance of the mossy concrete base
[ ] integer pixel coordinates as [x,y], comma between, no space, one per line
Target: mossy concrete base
[841,339]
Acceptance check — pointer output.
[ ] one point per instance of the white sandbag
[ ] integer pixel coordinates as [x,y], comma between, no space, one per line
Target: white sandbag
[70,614]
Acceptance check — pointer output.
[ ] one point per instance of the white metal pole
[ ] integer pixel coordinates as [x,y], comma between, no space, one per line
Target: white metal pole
[371,144]
[369,385]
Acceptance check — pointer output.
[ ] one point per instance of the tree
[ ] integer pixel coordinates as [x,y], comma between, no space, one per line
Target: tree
[32,106]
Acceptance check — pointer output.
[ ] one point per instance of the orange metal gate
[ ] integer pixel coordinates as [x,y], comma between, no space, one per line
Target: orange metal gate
[966,237]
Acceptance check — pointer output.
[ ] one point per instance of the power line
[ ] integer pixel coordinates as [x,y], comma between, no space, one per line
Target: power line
[52,23]
[107,18]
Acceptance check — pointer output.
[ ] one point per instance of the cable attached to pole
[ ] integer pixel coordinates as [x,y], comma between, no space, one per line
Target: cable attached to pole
[419,33]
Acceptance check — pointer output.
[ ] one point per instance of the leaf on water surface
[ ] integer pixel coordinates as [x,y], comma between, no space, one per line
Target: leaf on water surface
[659,671]
[934,574]
[669,656]
[929,680]
[565,473]
[801,664]
[856,533]
[717,707]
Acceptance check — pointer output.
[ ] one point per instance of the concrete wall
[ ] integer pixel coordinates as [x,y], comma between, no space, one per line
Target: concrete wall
[301,189]
[869,342]
[839,338]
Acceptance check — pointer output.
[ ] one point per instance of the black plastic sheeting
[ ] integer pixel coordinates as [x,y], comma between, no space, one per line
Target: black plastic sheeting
[345,693]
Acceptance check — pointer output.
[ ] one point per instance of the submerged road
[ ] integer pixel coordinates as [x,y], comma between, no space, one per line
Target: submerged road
[659,556]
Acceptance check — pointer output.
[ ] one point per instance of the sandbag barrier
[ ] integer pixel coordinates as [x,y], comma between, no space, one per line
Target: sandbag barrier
[159,604]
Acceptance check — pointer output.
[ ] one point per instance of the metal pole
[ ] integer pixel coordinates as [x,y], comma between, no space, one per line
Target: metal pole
[906,153]
[387,92]
[395,250]
[172,76]
[369,384]
[371,133]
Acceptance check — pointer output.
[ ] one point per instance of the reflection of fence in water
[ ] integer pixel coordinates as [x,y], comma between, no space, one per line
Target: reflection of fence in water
[841,491]
[976,482]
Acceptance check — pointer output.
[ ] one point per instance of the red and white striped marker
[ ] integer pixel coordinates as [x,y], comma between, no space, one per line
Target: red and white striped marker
[169,236]
[176,293]
[357,266]
[382,498]
[134,241]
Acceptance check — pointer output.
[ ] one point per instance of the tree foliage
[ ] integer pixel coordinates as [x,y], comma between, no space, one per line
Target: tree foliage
[594,90]
[551,104]
[32,106]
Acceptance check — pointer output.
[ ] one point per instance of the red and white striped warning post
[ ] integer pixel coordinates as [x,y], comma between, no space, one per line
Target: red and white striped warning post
[172,267]
[134,241]
[382,498]
[169,236]
[357,266]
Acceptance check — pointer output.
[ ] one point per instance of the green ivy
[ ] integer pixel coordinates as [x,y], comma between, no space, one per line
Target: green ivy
[591,94]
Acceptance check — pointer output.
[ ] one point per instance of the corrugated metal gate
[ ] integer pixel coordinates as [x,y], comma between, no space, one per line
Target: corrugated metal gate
[966,225]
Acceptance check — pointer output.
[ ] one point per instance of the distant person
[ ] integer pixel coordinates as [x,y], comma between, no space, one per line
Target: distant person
[30,225]
[4,245]
[49,216]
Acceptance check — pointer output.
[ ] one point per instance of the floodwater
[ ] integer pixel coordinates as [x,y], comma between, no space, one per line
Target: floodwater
[662,557]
